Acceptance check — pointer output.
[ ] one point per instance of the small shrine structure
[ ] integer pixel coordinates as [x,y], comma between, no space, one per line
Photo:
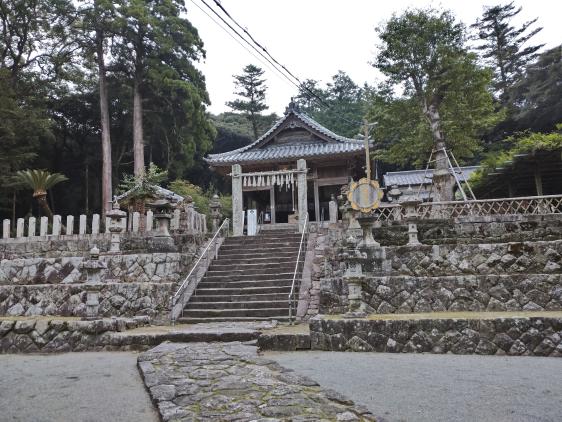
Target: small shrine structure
[290,172]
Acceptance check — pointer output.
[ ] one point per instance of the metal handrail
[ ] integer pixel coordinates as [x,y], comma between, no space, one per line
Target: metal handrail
[213,242]
[302,248]
[259,222]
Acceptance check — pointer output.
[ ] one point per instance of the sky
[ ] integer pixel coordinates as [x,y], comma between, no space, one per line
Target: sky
[317,38]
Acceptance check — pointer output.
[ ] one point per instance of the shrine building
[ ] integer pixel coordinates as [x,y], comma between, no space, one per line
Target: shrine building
[296,165]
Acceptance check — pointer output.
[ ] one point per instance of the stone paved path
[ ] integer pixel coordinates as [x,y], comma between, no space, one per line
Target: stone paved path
[230,382]
[84,387]
[439,388]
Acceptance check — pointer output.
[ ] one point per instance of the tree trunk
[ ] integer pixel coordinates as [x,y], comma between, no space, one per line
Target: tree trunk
[138,143]
[42,200]
[443,181]
[106,182]
[254,122]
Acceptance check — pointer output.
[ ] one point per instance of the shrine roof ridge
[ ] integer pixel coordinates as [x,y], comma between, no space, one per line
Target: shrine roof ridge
[341,144]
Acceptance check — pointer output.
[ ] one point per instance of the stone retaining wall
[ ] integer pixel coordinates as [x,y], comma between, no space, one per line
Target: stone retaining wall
[534,336]
[491,229]
[80,245]
[57,335]
[487,258]
[116,299]
[407,294]
[127,268]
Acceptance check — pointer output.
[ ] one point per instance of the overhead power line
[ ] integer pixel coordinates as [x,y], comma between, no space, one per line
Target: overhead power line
[264,63]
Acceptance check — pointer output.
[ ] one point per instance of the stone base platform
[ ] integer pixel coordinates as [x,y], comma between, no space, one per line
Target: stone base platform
[230,382]
[485,333]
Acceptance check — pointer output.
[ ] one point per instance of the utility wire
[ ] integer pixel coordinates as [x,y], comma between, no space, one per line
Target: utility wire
[273,69]
[302,88]
[247,42]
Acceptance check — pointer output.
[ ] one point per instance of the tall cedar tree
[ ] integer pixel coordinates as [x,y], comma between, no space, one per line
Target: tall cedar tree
[503,45]
[97,29]
[158,49]
[251,87]
[424,52]
[537,97]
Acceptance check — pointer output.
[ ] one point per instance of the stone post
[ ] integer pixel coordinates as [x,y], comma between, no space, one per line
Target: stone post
[31,227]
[333,210]
[93,285]
[216,215]
[44,225]
[237,205]
[6,229]
[20,227]
[410,203]
[115,226]
[302,190]
[368,241]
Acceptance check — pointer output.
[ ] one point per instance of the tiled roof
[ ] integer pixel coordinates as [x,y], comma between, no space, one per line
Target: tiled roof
[335,144]
[416,177]
[159,191]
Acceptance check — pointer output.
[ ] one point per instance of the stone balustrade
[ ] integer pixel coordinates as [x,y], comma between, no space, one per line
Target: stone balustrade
[32,228]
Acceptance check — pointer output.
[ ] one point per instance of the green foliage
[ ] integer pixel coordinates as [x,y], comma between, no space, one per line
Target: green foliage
[424,52]
[537,96]
[524,143]
[142,186]
[345,104]
[502,46]
[201,198]
[251,88]
[40,181]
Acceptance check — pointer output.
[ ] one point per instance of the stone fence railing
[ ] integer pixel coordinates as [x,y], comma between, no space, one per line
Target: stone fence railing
[187,220]
[532,205]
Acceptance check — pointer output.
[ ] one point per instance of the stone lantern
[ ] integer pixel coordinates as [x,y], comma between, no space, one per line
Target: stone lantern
[410,204]
[116,226]
[93,285]
[161,240]
[216,214]
[366,222]
[354,278]
[394,193]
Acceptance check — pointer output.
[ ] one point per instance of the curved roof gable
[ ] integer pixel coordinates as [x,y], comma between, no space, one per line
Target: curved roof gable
[328,143]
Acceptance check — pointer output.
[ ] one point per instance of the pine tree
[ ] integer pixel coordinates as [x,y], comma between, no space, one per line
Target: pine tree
[251,87]
[503,45]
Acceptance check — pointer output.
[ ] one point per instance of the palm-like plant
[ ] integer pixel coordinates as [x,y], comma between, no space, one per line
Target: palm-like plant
[40,181]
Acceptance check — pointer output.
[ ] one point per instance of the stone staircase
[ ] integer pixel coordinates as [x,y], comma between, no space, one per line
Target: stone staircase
[250,280]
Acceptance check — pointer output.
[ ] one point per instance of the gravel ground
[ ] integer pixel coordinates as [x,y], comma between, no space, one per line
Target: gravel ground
[83,387]
[415,387]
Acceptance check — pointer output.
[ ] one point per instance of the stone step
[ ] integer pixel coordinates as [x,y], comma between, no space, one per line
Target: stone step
[193,305]
[246,297]
[223,261]
[260,238]
[227,313]
[225,276]
[199,320]
[257,254]
[245,283]
[242,291]
[247,269]
[285,246]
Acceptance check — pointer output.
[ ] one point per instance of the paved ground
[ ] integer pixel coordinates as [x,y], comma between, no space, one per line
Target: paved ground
[84,387]
[412,387]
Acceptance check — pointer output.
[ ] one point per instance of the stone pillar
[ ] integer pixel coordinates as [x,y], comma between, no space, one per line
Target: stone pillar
[31,227]
[368,241]
[6,229]
[237,201]
[333,209]
[216,215]
[93,285]
[69,224]
[57,225]
[82,224]
[95,224]
[20,227]
[354,279]
[44,225]
[302,190]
